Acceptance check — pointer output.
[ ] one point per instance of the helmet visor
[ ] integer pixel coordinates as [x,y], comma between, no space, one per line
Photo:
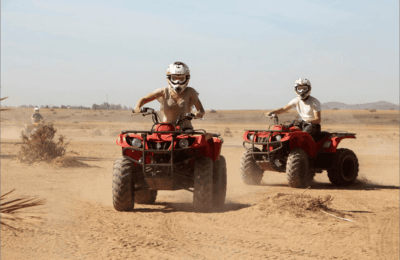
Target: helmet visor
[178,78]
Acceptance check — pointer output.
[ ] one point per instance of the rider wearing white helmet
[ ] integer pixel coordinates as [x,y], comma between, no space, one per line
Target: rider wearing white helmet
[308,107]
[36,117]
[177,98]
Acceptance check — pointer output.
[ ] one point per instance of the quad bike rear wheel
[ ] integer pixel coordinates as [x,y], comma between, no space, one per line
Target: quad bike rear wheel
[250,173]
[123,184]
[297,169]
[219,183]
[146,196]
[346,168]
[203,185]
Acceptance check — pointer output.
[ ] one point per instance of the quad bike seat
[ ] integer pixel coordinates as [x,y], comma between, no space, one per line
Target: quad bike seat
[320,136]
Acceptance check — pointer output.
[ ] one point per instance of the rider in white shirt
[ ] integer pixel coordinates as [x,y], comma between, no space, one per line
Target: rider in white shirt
[308,107]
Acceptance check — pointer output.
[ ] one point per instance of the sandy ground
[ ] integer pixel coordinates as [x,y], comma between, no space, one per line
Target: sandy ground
[81,223]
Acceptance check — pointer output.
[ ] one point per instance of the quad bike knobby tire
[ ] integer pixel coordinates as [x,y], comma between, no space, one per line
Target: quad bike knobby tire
[123,186]
[219,183]
[249,171]
[145,196]
[203,185]
[346,168]
[297,169]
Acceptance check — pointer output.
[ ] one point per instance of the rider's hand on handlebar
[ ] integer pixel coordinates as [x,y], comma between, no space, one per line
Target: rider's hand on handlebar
[270,114]
[199,115]
[137,110]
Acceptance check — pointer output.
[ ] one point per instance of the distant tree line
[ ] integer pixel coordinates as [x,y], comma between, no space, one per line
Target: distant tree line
[105,106]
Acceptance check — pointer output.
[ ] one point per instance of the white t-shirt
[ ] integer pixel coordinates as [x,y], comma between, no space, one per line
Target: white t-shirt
[306,108]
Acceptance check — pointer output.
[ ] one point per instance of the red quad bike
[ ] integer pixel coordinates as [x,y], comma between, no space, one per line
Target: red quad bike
[285,148]
[169,158]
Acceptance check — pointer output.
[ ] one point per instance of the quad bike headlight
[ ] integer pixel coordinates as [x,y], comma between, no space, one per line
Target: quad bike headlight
[136,142]
[251,137]
[278,137]
[183,143]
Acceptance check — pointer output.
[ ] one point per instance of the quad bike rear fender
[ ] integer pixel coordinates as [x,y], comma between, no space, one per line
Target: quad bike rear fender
[331,145]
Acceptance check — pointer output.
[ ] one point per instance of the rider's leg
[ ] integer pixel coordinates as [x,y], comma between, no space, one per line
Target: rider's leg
[312,129]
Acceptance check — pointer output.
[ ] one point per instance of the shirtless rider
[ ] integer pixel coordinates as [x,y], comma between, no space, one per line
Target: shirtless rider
[176,99]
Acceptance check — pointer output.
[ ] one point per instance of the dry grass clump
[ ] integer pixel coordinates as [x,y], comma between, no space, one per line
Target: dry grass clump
[298,204]
[68,161]
[14,210]
[97,132]
[372,110]
[227,132]
[40,146]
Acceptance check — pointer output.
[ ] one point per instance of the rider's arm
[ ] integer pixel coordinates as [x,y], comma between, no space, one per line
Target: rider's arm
[317,118]
[146,99]
[280,110]
[200,110]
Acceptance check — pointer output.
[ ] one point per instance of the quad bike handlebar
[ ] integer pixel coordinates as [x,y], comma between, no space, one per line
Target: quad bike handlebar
[272,116]
[156,118]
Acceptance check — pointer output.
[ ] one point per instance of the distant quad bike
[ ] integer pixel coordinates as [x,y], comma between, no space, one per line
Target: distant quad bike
[169,158]
[285,148]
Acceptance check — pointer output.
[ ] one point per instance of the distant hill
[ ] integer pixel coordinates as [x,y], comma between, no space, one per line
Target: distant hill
[381,105]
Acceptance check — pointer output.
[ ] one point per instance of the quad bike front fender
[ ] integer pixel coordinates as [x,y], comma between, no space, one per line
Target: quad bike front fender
[304,141]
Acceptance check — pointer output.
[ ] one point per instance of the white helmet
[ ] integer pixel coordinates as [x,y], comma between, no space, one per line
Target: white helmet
[178,75]
[302,87]
[36,109]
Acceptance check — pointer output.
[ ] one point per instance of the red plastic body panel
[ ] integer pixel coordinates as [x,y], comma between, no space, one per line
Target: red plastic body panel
[335,142]
[300,139]
[207,148]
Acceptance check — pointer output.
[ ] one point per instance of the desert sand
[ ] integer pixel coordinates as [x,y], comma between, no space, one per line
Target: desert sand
[79,221]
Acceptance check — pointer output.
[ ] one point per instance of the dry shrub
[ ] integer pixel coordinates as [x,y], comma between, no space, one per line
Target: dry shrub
[213,111]
[40,146]
[11,208]
[67,161]
[298,204]
[372,110]
[97,132]
[227,132]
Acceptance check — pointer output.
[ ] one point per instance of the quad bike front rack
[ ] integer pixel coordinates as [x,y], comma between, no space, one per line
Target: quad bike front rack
[268,143]
[151,181]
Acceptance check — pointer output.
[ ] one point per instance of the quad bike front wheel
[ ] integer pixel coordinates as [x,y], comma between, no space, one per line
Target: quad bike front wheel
[249,171]
[203,185]
[219,183]
[345,170]
[297,169]
[123,184]
[146,196]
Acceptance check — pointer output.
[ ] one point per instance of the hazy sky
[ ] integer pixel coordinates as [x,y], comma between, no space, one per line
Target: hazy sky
[242,54]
